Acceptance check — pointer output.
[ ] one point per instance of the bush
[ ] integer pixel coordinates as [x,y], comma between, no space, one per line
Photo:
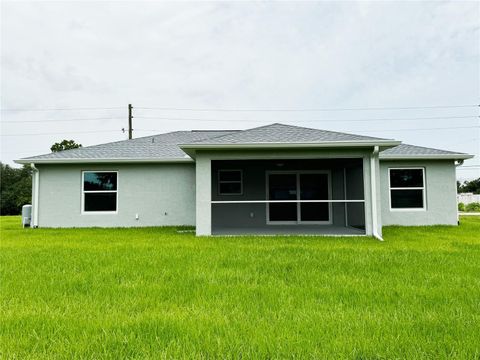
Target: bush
[473,207]
[15,188]
[461,207]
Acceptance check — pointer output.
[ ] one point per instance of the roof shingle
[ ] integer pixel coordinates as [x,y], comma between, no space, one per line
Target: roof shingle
[163,147]
[280,133]
[166,147]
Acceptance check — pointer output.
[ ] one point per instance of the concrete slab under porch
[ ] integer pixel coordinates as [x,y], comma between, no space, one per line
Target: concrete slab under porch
[311,230]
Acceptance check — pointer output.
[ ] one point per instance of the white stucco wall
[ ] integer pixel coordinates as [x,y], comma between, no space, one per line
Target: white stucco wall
[441,191]
[161,194]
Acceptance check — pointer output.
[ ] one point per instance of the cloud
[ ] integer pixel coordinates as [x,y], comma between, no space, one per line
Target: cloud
[300,55]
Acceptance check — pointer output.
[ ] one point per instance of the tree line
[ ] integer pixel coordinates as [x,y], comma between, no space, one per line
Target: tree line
[469,186]
[16,183]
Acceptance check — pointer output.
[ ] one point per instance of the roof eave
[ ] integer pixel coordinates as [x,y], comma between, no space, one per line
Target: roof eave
[191,148]
[427,157]
[102,161]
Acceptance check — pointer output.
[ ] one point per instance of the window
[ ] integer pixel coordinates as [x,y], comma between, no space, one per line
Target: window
[407,188]
[99,191]
[230,182]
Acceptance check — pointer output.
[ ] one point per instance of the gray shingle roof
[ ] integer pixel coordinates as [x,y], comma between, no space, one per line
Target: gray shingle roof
[163,146]
[279,133]
[406,150]
[166,147]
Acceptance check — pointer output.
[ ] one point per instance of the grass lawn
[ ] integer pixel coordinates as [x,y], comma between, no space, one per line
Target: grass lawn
[153,293]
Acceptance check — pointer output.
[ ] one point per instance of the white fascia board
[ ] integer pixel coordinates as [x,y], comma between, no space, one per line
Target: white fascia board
[266,145]
[384,144]
[426,157]
[101,161]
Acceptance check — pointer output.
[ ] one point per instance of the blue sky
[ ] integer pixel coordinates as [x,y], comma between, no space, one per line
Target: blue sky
[244,55]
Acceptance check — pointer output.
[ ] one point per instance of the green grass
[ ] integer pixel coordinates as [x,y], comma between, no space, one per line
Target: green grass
[155,293]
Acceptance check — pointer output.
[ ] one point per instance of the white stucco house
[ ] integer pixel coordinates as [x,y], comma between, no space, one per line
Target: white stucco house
[274,179]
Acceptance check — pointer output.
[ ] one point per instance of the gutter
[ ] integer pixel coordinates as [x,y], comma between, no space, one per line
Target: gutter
[101,161]
[35,194]
[427,157]
[256,145]
[373,184]
[192,147]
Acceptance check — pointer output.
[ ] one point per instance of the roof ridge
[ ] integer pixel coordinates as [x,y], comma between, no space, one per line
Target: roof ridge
[330,131]
[289,126]
[220,136]
[244,130]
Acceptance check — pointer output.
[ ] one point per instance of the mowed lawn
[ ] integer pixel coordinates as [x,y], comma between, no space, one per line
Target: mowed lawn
[157,293]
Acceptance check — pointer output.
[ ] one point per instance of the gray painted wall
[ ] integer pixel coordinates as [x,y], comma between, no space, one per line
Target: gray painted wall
[161,194]
[441,190]
[153,189]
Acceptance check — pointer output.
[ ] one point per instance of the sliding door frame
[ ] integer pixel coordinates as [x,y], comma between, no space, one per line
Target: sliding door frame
[298,202]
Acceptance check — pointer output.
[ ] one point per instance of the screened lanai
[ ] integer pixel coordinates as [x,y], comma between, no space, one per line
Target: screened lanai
[290,196]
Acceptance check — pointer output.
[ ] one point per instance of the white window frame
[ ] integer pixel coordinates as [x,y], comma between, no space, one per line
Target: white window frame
[83,212]
[423,188]
[219,182]
[298,201]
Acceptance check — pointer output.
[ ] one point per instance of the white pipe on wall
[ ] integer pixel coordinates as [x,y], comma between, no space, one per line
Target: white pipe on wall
[35,194]
[373,183]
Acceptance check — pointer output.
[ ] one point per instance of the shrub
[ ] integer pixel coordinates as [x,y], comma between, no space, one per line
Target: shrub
[461,207]
[473,207]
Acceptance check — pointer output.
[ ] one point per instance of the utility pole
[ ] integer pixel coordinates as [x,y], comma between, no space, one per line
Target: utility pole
[130,121]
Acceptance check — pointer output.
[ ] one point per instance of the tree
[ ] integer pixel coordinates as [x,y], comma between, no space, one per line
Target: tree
[65,145]
[470,186]
[15,189]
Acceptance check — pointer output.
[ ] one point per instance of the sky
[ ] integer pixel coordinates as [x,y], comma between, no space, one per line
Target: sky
[70,69]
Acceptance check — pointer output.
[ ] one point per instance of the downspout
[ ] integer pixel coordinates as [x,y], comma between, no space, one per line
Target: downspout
[36,194]
[457,164]
[373,183]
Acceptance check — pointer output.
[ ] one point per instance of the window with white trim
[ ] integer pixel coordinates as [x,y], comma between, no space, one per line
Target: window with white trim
[230,182]
[407,188]
[99,191]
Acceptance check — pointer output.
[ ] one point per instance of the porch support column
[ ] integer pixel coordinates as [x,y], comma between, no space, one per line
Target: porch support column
[367,190]
[203,195]
[375,193]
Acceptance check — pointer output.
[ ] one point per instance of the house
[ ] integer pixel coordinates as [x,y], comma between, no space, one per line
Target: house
[275,179]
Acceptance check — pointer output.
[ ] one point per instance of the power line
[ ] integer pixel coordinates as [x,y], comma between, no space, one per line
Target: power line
[62,133]
[65,109]
[312,109]
[310,120]
[415,129]
[60,120]
[385,130]
[243,120]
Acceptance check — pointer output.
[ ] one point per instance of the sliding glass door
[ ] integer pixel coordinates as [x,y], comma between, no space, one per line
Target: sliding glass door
[294,186]
[283,187]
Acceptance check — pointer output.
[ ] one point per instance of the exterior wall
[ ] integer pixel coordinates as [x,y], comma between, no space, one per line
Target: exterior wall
[441,192]
[204,187]
[161,194]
